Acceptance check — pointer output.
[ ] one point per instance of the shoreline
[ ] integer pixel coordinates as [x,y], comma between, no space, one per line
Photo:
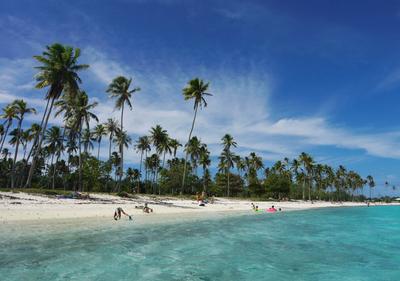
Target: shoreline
[24,208]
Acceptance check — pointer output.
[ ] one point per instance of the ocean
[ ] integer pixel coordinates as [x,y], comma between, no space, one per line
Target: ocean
[357,243]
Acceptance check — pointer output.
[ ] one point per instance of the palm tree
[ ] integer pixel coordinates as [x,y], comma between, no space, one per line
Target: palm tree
[193,148]
[132,175]
[205,162]
[1,133]
[197,90]
[98,133]
[159,138]
[119,89]
[174,144]
[79,116]
[112,128]
[307,167]
[142,146]
[55,143]
[371,184]
[227,143]
[9,114]
[21,108]
[87,140]
[58,70]
[122,139]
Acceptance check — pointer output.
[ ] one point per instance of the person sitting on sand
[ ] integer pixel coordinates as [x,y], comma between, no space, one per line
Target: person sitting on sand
[147,209]
[118,212]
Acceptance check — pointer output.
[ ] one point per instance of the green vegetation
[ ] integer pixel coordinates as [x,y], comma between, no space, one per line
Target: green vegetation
[65,158]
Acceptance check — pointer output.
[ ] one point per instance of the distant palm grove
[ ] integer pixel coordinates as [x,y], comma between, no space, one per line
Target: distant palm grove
[67,157]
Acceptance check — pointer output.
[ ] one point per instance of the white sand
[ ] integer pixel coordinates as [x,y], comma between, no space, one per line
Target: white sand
[18,207]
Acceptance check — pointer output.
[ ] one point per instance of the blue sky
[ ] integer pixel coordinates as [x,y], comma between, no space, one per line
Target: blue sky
[287,76]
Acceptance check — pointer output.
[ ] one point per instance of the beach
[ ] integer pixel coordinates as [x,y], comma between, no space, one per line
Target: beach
[20,207]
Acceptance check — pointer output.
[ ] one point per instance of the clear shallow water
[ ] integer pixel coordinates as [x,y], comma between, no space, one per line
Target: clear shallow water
[327,244]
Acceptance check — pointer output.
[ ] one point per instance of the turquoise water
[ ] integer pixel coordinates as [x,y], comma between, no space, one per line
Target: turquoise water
[327,244]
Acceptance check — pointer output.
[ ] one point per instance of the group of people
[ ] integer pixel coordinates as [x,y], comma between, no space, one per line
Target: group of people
[270,210]
[119,212]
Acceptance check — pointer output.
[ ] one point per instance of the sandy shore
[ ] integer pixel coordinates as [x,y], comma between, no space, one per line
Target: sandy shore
[18,207]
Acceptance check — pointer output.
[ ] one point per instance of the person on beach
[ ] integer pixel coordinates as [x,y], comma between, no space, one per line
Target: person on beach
[118,212]
[147,209]
[253,206]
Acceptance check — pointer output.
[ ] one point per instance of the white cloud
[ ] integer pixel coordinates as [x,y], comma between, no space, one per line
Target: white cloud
[239,106]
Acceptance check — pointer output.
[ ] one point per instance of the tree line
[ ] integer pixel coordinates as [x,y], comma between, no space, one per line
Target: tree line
[68,156]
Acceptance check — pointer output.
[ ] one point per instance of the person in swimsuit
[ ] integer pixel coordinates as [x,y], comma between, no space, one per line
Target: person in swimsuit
[147,209]
[118,212]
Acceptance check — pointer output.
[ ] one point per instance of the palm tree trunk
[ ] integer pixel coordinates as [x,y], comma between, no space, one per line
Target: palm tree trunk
[228,184]
[15,154]
[98,150]
[121,148]
[80,158]
[140,172]
[37,150]
[187,154]
[304,189]
[5,135]
[204,179]
[109,148]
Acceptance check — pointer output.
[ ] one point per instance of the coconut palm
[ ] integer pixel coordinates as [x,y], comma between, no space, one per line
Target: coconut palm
[87,140]
[54,139]
[205,162]
[307,167]
[119,89]
[193,148]
[98,133]
[159,138]
[112,128]
[123,140]
[21,109]
[143,145]
[227,143]
[58,70]
[196,90]
[371,185]
[9,114]
[132,175]
[2,131]
[80,116]
[174,144]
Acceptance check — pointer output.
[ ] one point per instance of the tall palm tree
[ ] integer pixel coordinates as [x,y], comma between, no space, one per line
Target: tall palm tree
[87,140]
[55,143]
[9,114]
[143,145]
[21,108]
[98,133]
[58,69]
[132,175]
[112,128]
[193,148]
[123,140]
[205,162]
[371,185]
[196,90]
[80,116]
[174,144]
[159,138]
[227,143]
[307,167]
[119,89]
[1,132]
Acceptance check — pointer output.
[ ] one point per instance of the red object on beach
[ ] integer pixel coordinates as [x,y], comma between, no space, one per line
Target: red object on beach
[271,210]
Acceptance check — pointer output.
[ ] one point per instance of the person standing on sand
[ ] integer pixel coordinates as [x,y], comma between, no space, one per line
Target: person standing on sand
[118,212]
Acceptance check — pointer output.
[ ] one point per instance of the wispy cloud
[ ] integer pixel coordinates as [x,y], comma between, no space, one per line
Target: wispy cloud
[240,105]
